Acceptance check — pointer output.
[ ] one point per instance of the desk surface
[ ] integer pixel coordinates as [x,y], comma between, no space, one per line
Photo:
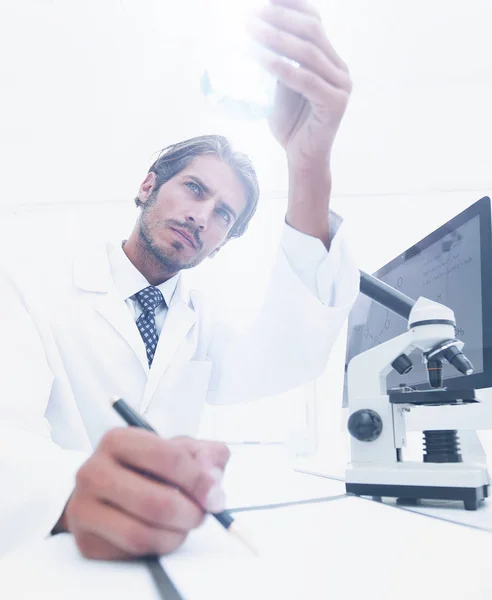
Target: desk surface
[446,510]
[453,512]
[258,476]
[344,547]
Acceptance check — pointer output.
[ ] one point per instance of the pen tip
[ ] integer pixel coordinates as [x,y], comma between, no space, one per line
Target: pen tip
[113,400]
[242,538]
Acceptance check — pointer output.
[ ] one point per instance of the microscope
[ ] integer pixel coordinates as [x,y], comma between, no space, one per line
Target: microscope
[377,414]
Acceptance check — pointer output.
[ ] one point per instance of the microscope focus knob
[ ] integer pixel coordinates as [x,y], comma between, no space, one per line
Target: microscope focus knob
[365,425]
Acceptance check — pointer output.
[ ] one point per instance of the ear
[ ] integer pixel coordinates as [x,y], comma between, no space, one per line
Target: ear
[146,187]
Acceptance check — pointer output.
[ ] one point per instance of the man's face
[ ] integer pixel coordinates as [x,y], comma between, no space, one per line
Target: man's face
[191,215]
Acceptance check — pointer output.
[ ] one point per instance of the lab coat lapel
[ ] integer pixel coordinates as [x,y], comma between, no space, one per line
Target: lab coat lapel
[92,273]
[112,307]
[179,320]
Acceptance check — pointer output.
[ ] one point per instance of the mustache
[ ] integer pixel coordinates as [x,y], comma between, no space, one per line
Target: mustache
[193,231]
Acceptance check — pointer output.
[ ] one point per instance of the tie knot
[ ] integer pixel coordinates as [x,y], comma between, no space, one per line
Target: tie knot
[150,298]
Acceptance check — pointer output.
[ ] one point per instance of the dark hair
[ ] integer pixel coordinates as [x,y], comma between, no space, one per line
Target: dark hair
[176,157]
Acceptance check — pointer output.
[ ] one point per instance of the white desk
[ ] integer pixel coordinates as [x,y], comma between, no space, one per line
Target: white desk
[447,510]
[453,512]
[258,476]
[342,548]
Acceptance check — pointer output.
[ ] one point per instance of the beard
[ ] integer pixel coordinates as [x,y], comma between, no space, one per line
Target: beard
[169,260]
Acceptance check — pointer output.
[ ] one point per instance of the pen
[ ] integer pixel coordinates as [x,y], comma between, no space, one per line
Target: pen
[132,418]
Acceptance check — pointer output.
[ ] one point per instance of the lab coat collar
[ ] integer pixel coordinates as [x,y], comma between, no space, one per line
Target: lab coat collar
[91,268]
[130,281]
[92,273]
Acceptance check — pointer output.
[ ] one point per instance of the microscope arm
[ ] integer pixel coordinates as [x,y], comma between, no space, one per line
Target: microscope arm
[387,296]
[362,369]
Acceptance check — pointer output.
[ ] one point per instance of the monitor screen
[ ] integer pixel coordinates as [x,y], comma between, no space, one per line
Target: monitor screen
[453,266]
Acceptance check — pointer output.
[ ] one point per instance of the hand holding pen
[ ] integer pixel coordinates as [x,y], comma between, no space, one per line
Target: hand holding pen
[117,512]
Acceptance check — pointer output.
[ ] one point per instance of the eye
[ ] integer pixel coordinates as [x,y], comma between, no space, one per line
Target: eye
[224,214]
[196,188]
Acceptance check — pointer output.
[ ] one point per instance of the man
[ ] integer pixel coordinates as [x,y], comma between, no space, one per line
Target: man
[117,320]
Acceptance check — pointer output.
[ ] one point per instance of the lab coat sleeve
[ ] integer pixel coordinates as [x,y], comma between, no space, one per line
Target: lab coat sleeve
[36,476]
[317,268]
[289,342]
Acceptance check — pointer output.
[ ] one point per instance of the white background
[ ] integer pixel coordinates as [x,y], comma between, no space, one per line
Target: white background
[91,90]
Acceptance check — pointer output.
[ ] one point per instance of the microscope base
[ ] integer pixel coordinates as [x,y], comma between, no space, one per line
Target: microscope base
[412,481]
[411,494]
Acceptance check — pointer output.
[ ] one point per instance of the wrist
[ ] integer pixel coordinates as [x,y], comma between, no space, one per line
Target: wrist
[318,165]
[309,201]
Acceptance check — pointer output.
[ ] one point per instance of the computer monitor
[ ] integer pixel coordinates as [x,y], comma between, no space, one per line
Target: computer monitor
[453,266]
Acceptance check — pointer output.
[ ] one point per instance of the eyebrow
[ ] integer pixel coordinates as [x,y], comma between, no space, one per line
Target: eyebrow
[207,190]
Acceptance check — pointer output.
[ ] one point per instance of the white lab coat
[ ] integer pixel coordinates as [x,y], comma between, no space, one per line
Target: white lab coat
[68,343]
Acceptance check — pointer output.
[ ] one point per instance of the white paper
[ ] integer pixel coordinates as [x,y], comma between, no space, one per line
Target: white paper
[342,549]
[214,564]
[356,548]
[348,548]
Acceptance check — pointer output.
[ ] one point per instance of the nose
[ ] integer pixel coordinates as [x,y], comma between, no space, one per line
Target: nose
[199,216]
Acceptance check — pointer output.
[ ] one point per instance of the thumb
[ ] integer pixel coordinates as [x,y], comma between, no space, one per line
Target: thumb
[214,456]
[210,454]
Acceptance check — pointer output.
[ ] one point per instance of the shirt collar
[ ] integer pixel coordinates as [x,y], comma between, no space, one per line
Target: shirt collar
[128,278]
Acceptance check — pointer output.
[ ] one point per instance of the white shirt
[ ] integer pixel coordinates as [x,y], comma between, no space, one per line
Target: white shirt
[307,256]
[129,281]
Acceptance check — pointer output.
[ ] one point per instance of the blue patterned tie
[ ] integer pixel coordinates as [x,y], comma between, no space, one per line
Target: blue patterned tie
[149,299]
